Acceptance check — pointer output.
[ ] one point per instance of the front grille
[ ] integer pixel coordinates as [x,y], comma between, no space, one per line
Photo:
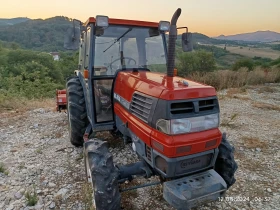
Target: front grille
[197,106]
[206,105]
[181,107]
[141,106]
[148,153]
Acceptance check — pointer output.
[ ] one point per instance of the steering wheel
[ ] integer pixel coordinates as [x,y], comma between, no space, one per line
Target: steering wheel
[128,58]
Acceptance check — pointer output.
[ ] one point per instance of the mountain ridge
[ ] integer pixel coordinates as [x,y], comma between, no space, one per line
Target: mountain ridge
[257,36]
[12,21]
[48,34]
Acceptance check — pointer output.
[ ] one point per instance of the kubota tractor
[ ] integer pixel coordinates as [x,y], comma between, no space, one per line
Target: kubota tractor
[125,84]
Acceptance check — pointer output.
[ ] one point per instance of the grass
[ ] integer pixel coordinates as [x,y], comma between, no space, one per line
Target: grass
[229,122]
[31,198]
[21,166]
[86,196]
[253,52]
[3,169]
[225,79]
[20,104]
[254,142]
[233,91]
[267,89]
[238,93]
[39,150]
[80,157]
[266,106]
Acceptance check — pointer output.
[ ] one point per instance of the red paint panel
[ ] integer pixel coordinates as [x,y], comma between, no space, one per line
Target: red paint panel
[150,89]
[126,84]
[114,21]
[166,141]
[196,140]
[138,127]
[61,98]
[119,113]
[160,86]
[188,93]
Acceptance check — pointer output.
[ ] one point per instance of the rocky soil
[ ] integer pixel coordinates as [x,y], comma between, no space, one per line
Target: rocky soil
[36,158]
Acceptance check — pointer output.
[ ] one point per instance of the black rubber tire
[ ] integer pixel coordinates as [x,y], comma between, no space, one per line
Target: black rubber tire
[104,175]
[76,109]
[225,164]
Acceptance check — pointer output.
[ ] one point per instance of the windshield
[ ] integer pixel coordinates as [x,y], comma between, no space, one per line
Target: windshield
[124,47]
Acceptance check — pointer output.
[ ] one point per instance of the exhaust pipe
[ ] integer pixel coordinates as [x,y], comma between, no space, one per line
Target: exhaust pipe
[172,43]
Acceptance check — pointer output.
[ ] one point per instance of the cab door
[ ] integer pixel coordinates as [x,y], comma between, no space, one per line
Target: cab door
[103,106]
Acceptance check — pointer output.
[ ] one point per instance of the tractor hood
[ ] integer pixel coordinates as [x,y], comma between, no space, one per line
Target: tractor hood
[160,86]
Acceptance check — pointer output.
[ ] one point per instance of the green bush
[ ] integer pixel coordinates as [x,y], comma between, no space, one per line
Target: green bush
[244,62]
[33,74]
[276,47]
[201,61]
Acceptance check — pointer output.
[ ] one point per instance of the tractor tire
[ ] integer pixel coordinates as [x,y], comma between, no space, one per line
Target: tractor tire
[102,174]
[76,109]
[225,164]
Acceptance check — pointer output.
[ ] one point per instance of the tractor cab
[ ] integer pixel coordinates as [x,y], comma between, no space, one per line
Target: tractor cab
[108,46]
[118,47]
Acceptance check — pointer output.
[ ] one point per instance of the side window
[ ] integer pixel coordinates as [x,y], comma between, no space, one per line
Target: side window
[105,55]
[82,52]
[103,104]
[87,48]
[131,51]
[156,61]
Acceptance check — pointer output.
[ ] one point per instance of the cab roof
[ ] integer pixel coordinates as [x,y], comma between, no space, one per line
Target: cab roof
[113,21]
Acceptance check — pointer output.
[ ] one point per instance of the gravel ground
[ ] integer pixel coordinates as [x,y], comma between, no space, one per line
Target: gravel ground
[37,158]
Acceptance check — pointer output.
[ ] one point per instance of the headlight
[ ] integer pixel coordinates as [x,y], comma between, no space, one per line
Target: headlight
[102,21]
[188,125]
[164,26]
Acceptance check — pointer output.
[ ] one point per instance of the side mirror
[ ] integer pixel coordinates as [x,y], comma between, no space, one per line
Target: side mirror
[72,36]
[187,43]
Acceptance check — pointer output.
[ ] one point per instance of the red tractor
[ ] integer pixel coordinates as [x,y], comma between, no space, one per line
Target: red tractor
[126,85]
[61,101]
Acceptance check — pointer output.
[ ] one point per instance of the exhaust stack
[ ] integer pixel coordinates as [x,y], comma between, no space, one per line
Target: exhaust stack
[172,43]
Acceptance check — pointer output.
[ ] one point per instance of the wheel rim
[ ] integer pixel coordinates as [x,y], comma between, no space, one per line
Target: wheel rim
[89,179]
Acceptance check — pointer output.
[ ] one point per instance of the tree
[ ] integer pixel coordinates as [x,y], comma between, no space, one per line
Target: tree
[244,62]
[14,46]
[196,61]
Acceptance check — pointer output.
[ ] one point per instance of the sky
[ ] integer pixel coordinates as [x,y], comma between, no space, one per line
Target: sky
[210,17]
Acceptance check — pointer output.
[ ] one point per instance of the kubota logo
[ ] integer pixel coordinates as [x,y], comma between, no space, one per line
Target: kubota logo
[190,162]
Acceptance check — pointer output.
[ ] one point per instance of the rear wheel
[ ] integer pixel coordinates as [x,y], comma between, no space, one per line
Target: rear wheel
[102,174]
[76,109]
[225,164]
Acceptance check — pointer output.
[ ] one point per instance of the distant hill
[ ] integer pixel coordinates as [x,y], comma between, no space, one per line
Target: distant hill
[12,21]
[199,38]
[43,35]
[48,34]
[258,36]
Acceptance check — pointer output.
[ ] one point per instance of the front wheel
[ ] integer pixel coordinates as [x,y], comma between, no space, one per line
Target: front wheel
[225,164]
[102,174]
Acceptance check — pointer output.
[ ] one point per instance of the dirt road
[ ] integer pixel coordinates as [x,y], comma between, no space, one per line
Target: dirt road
[36,157]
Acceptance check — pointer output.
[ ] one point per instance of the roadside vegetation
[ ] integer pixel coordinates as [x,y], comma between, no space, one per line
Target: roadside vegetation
[27,75]
[32,74]
[205,65]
